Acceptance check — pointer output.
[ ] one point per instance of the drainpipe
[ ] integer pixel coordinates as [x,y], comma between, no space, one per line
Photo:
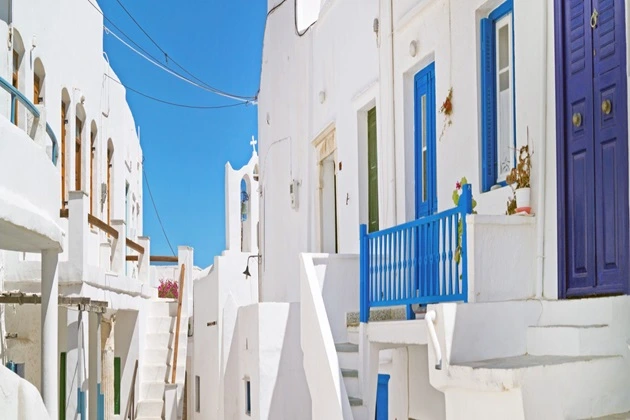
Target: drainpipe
[393,122]
[540,248]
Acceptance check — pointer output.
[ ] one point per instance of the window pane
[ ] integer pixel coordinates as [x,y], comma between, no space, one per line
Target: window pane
[504,81]
[423,110]
[504,49]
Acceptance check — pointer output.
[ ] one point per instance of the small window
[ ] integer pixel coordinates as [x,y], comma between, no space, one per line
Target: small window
[117,385]
[248,397]
[197,394]
[497,89]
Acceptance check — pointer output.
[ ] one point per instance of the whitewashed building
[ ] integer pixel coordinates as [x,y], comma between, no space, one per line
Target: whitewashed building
[369,113]
[247,358]
[71,232]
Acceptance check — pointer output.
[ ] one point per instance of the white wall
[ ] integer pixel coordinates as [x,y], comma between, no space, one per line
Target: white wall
[266,349]
[20,400]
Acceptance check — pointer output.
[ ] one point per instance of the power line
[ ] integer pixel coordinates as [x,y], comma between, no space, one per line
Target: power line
[174,103]
[168,57]
[174,73]
[146,179]
[147,56]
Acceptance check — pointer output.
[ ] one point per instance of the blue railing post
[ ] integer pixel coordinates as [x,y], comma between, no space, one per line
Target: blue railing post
[465,204]
[364,304]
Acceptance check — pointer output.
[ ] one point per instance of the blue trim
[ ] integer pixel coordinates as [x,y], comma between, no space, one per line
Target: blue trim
[419,262]
[81,403]
[488,91]
[17,96]
[382,397]
[100,403]
[424,85]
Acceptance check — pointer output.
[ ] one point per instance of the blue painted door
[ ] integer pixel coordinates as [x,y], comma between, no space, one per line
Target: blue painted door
[382,397]
[593,149]
[425,167]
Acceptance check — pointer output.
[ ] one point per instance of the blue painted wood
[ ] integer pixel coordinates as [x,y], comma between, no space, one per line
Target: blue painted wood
[397,272]
[592,157]
[424,82]
[18,97]
[382,397]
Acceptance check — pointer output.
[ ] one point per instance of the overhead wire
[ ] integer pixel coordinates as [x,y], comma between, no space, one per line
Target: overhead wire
[168,57]
[146,180]
[173,103]
[149,57]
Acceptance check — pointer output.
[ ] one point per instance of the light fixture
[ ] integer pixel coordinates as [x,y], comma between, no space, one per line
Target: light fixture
[322,97]
[413,48]
[246,272]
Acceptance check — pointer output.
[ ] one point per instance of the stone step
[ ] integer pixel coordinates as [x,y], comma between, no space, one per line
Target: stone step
[152,390]
[569,340]
[578,312]
[353,334]
[348,355]
[165,340]
[157,355]
[157,324]
[352,385]
[355,402]
[349,373]
[165,307]
[619,416]
[149,408]
[398,313]
[359,412]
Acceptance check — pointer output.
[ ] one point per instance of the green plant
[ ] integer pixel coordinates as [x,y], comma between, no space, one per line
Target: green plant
[457,192]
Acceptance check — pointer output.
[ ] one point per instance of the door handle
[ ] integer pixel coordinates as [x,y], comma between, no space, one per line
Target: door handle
[577,119]
[606,106]
[594,17]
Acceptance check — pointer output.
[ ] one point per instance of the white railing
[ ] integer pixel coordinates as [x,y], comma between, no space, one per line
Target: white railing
[328,394]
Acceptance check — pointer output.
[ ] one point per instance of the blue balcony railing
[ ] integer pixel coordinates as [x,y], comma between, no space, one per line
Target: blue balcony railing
[18,97]
[419,262]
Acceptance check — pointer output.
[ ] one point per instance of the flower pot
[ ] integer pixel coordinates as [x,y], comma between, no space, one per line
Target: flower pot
[523,200]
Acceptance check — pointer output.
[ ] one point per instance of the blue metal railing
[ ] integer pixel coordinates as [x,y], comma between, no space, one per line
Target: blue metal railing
[419,262]
[18,97]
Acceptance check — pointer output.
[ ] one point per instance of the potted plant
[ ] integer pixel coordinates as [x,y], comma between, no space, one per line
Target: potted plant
[518,179]
[168,289]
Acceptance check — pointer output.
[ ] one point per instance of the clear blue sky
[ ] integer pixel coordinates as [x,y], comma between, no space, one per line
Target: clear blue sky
[185,150]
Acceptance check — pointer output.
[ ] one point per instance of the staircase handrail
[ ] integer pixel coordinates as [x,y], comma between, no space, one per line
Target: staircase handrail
[180,294]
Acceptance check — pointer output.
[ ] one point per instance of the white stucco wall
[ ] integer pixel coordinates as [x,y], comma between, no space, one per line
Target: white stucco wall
[266,350]
[19,399]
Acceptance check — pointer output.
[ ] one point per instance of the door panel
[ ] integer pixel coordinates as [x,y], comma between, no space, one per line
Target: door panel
[611,177]
[425,162]
[580,209]
[595,148]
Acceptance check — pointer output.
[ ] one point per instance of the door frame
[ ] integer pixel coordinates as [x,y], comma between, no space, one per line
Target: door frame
[325,145]
[560,135]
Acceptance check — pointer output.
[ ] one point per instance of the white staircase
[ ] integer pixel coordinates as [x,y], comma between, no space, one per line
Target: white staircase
[575,367]
[157,358]
[348,355]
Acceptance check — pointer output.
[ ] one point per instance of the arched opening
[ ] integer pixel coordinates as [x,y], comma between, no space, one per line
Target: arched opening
[39,76]
[246,222]
[65,104]
[93,180]
[110,167]
[256,172]
[78,140]
[16,74]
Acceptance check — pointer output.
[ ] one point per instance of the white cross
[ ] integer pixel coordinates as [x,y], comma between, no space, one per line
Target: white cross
[253,144]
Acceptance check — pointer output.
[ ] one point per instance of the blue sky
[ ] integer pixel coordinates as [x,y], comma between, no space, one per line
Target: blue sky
[185,150]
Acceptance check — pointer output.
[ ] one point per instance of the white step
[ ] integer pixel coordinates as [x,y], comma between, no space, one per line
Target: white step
[348,355]
[353,334]
[359,412]
[351,380]
[157,355]
[566,386]
[165,340]
[568,340]
[152,390]
[162,308]
[620,416]
[592,311]
[150,408]
[154,373]
[157,324]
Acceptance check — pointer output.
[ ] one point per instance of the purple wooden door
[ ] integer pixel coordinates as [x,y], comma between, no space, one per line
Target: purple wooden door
[592,148]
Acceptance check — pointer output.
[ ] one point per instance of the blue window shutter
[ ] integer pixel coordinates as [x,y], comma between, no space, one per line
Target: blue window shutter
[488,106]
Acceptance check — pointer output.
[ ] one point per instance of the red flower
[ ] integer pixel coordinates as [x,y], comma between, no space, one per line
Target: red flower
[458,185]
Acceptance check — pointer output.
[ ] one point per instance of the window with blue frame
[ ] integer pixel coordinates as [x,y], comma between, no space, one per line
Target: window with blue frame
[497,90]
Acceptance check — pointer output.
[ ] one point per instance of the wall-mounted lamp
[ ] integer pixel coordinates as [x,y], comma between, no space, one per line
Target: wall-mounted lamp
[322,97]
[33,42]
[246,272]
[413,48]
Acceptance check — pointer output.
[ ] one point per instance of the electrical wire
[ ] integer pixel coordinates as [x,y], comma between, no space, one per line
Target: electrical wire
[174,103]
[147,56]
[146,180]
[167,57]
[297,31]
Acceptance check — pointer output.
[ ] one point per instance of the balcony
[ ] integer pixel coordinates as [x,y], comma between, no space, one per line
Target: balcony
[420,262]
[30,186]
